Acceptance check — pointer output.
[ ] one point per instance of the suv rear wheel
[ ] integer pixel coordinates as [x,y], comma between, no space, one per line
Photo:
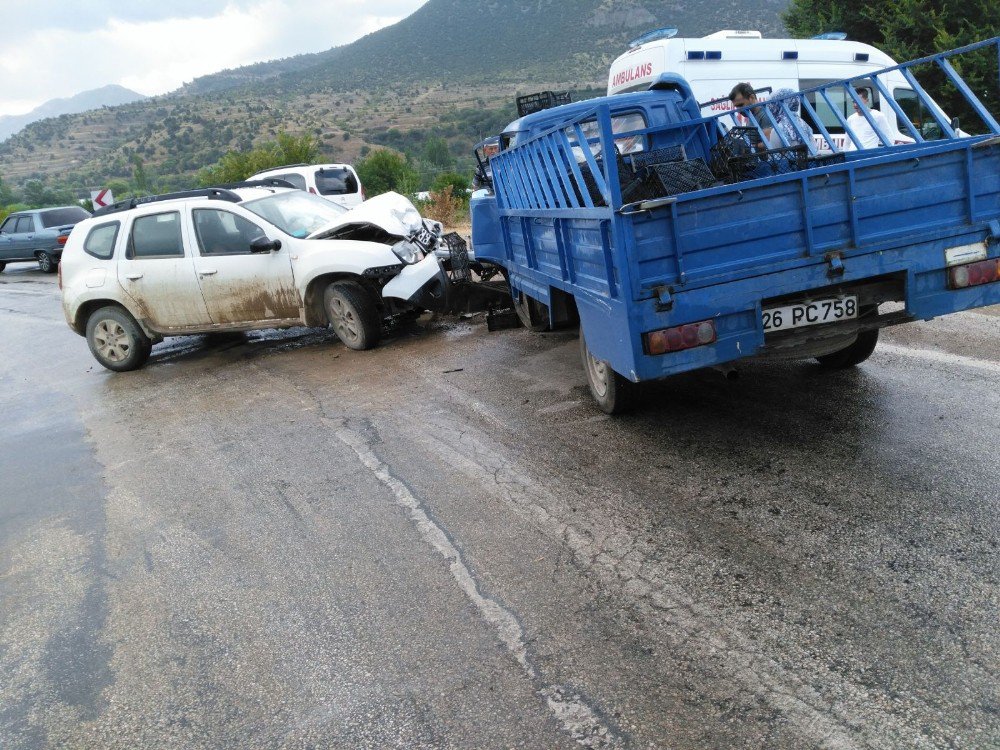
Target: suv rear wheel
[116,340]
[352,314]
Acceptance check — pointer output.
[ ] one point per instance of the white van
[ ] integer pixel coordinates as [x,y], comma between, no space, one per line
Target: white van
[337,183]
[717,62]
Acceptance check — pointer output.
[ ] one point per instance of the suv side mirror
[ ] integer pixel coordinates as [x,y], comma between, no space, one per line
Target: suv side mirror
[264,245]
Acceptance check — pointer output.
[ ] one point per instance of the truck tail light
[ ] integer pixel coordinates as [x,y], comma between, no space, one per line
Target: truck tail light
[974,274]
[679,337]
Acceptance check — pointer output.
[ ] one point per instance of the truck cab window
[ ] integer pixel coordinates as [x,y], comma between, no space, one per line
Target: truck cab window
[625,123]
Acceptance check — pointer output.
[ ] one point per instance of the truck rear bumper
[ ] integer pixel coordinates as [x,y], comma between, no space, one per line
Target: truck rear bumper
[915,277]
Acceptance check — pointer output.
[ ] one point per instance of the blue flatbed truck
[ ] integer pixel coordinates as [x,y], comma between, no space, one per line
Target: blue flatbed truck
[666,268]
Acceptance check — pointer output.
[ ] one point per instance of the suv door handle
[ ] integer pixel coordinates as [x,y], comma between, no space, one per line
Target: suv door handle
[133,276]
[208,272]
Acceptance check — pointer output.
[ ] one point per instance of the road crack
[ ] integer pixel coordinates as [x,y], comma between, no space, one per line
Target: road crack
[581,721]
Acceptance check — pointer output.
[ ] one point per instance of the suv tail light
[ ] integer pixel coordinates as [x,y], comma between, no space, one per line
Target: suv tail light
[974,274]
[679,338]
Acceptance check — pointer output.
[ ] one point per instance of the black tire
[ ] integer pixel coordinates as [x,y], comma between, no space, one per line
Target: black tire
[46,263]
[2,266]
[533,314]
[116,340]
[852,355]
[612,393]
[353,315]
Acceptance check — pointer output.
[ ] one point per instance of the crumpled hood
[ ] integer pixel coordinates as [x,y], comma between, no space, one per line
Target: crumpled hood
[390,211]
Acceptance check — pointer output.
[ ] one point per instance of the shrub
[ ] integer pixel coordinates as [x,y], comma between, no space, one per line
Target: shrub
[458,183]
[443,206]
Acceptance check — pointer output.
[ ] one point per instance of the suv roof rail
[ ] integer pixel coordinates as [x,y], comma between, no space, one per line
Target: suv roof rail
[287,166]
[211,193]
[262,182]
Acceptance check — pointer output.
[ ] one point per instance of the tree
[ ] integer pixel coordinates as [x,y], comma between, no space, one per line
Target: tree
[139,174]
[235,166]
[383,171]
[292,150]
[38,195]
[436,152]
[6,194]
[910,29]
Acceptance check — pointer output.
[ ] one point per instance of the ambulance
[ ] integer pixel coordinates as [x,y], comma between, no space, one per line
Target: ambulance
[715,63]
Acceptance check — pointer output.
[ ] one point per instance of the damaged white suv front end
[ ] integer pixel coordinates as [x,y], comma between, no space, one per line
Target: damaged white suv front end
[416,242]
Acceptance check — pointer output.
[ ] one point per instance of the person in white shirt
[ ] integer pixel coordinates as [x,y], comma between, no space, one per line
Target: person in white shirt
[863,130]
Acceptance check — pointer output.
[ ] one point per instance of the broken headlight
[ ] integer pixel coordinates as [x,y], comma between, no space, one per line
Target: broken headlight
[408,252]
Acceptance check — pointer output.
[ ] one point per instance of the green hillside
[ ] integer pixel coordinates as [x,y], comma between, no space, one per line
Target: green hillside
[450,70]
[477,40]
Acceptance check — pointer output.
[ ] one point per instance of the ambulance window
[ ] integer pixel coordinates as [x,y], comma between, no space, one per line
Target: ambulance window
[839,98]
[917,113]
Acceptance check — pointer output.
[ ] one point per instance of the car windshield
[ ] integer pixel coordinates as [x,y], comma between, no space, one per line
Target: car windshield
[59,216]
[295,212]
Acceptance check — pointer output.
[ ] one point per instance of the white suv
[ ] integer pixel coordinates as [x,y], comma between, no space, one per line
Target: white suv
[244,257]
[338,183]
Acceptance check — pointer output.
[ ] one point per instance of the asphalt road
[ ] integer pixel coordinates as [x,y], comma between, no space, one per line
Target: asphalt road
[274,542]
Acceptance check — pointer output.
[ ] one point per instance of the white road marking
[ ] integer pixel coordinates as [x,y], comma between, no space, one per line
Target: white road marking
[943,358]
[576,717]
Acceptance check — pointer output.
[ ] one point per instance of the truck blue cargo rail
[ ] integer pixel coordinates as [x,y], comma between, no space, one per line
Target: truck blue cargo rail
[702,241]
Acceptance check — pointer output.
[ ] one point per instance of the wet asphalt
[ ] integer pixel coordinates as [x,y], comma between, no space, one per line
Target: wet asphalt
[270,541]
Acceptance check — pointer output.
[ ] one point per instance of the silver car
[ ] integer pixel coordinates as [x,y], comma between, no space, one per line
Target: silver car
[39,234]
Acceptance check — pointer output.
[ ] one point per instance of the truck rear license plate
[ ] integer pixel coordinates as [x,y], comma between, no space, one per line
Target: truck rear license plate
[810,313]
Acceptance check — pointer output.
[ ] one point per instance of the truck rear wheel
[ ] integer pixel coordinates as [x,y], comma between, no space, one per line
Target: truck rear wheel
[353,315]
[852,355]
[612,393]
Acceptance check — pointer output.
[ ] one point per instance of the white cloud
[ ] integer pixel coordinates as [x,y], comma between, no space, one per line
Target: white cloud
[151,48]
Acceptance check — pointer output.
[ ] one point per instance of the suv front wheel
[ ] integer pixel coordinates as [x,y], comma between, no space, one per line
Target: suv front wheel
[352,314]
[116,340]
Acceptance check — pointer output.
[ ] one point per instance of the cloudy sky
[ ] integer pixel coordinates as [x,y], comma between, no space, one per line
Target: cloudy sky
[57,48]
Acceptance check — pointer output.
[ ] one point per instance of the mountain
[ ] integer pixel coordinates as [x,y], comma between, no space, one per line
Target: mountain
[450,70]
[106,96]
[473,40]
